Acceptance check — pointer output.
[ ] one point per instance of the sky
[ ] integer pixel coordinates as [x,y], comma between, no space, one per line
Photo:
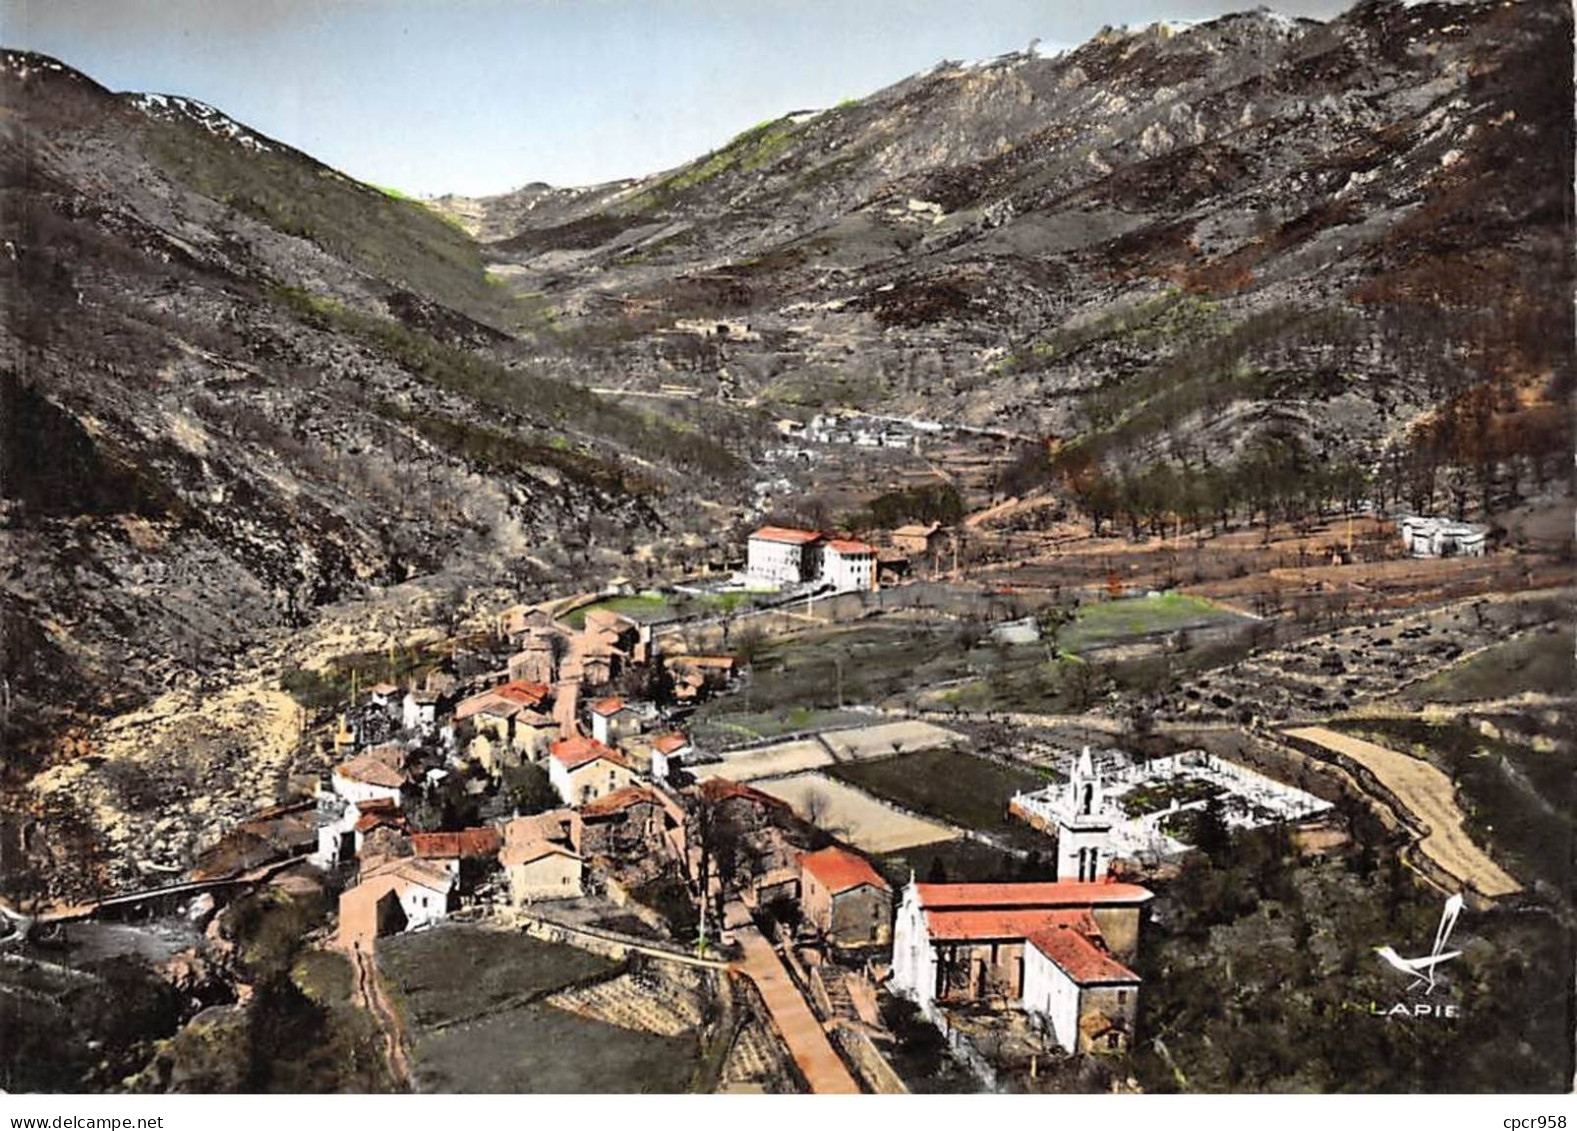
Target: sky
[481,96]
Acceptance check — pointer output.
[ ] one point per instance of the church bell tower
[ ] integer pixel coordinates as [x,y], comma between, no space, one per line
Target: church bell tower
[1084,825]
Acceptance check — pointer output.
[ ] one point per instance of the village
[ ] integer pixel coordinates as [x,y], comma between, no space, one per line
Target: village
[842,817]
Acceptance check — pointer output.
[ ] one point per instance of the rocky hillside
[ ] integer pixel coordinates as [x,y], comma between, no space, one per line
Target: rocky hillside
[244,397]
[237,388]
[1177,242]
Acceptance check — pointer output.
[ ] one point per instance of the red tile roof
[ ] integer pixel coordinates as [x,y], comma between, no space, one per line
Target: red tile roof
[524,691]
[573,753]
[370,769]
[379,812]
[839,871]
[1078,957]
[690,660]
[668,743]
[721,789]
[525,851]
[1030,895]
[965,926]
[405,874]
[466,843]
[850,546]
[506,699]
[618,801]
[786,534]
[612,705]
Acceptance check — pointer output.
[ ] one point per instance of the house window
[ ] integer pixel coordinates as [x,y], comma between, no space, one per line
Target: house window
[1122,997]
[1112,1040]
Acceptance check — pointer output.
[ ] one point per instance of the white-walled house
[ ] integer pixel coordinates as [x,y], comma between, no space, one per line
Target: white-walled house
[419,711]
[778,556]
[582,769]
[375,774]
[1081,993]
[1058,951]
[848,566]
[668,751]
[613,718]
[396,895]
[1429,537]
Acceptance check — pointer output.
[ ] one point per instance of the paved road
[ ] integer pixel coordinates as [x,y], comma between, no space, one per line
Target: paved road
[1429,796]
[806,1039]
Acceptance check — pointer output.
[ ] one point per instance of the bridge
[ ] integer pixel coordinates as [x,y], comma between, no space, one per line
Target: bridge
[131,900]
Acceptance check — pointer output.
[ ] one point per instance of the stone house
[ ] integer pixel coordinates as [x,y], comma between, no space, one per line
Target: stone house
[394,896]
[541,857]
[634,821]
[582,769]
[509,724]
[467,854]
[613,718]
[918,540]
[844,898]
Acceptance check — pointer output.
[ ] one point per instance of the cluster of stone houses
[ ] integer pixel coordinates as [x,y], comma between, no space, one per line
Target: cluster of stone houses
[399,748]
[627,809]
[782,557]
[628,813]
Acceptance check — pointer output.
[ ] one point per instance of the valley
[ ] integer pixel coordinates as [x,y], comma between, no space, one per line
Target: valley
[1119,380]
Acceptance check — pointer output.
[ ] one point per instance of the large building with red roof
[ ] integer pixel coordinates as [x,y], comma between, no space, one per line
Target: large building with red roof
[848,566]
[1058,951]
[844,898]
[778,556]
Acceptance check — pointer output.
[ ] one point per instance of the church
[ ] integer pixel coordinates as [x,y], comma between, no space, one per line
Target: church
[1058,951]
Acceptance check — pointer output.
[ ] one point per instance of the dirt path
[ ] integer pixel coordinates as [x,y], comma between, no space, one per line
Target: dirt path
[370,993]
[1428,795]
[806,1039]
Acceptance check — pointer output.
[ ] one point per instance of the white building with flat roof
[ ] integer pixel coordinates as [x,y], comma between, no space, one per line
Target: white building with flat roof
[1429,537]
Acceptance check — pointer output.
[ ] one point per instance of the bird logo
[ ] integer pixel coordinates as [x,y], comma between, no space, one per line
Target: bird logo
[1423,969]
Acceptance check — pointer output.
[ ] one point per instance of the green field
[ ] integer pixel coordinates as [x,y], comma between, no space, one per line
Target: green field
[641,606]
[967,861]
[439,975]
[1103,623]
[650,607]
[887,659]
[714,723]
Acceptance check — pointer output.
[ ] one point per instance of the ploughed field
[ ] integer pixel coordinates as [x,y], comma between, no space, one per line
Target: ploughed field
[952,786]
[481,1015]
